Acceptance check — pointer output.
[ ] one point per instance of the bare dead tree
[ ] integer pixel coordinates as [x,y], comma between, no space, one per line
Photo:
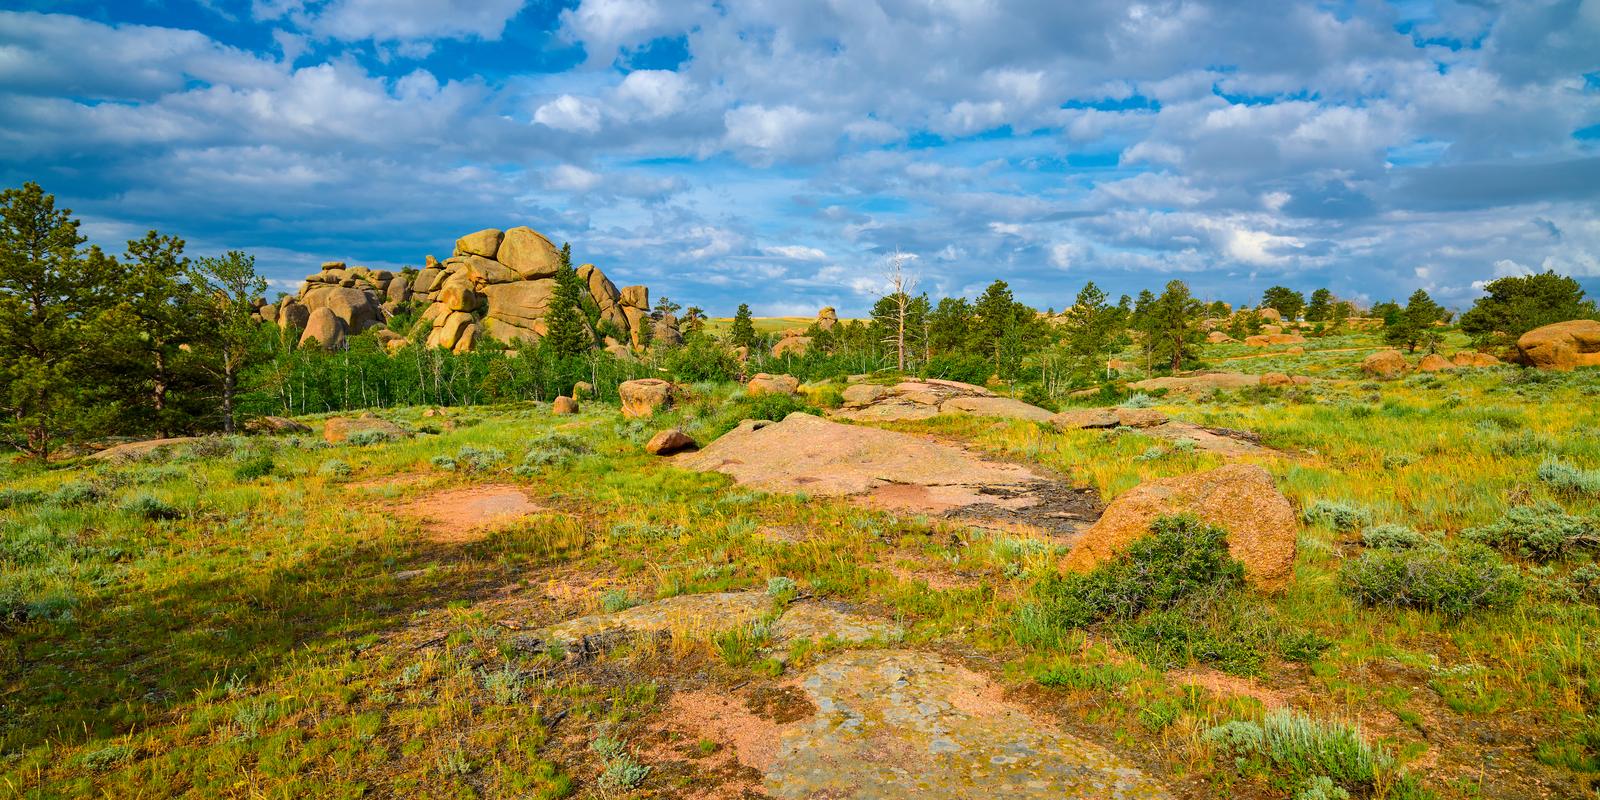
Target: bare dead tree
[900,283]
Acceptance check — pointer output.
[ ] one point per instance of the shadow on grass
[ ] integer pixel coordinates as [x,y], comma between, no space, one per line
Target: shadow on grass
[124,662]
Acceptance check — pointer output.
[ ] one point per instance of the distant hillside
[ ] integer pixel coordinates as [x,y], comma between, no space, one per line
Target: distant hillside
[720,325]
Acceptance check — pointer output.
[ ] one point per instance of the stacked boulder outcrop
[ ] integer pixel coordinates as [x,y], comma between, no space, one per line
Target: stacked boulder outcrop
[496,283]
[338,301]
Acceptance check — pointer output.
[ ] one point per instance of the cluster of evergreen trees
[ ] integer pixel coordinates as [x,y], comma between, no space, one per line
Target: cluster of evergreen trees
[92,343]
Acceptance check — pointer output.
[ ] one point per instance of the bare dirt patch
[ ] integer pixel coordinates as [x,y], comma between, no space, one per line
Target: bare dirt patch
[468,514]
[1222,684]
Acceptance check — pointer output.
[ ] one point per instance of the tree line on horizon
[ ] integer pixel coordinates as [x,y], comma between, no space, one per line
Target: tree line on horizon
[95,345]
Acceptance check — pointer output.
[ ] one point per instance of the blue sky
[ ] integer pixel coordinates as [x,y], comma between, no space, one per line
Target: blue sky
[777,152]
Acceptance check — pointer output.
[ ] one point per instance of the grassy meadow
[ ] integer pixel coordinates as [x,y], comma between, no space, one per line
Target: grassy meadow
[260,617]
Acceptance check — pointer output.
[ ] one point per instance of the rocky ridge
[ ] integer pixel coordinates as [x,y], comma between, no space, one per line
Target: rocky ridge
[497,283]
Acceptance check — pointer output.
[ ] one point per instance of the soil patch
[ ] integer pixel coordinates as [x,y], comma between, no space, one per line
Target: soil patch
[468,514]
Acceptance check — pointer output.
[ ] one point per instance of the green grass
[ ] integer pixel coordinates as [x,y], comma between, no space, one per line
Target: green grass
[201,625]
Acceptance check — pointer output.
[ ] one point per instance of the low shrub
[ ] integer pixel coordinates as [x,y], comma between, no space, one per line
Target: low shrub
[254,467]
[552,449]
[1300,753]
[1338,516]
[151,507]
[335,469]
[1174,597]
[1454,581]
[77,493]
[768,406]
[1539,532]
[1182,556]
[16,498]
[1567,479]
[1138,400]
[364,438]
[1392,537]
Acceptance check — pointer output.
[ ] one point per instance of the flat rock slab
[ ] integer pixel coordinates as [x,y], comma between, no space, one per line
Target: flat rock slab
[133,451]
[1208,439]
[914,400]
[704,614]
[907,724]
[460,515]
[891,471]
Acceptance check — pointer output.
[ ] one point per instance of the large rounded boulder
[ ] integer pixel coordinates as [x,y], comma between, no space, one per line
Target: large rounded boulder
[1242,499]
[527,251]
[642,397]
[325,328]
[1562,346]
[1385,364]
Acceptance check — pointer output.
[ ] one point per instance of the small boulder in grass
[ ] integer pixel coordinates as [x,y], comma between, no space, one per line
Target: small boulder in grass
[564,405]
[670,441]
[582,389]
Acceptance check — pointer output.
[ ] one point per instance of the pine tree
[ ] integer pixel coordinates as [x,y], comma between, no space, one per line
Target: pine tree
[996,319]
[1172,326]
[1515,305]
[231,286]
[567,335]
[1321,306]
[743,332]
[1090,325]
[1414,326]
[1287,301]
[52,298]
[161,302]
[950,325]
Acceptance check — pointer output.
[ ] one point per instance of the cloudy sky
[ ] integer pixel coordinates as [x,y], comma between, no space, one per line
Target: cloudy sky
[777,151]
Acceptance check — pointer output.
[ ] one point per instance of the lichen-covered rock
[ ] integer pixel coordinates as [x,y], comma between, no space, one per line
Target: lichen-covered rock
[863,394]
[457,294]
[293,314]
[1241,498]
[642,397]
[1562,346]
[797,345]
[1269,339]
[636,297]
[668,442]
[827,318]
[338,429]
[763,383]
[564,405]
[399,289]
[483,271]
[449,331]
[1385,364]
[1433,362]
[1473,358]
[271,425]
[1003,407]
[1082,418]
[1140,417]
